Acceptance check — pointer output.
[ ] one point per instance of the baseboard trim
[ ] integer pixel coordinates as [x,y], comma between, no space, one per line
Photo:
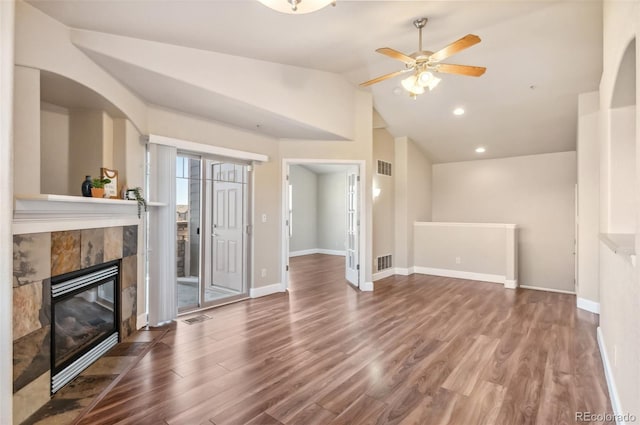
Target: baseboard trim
[511,283]
[142,321]
[484,277]
[302,252]
[404,271]
[588,305]
[366,286]
[317,251]
[611,384]
[331,252]
[542,288]
[263,291]
[383,274]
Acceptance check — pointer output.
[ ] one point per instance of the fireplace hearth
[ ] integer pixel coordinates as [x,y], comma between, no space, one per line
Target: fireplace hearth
[84,307]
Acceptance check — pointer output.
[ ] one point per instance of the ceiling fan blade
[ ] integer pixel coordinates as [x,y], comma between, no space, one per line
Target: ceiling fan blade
[394,54]
[383,77]
[455,47]
[470,71]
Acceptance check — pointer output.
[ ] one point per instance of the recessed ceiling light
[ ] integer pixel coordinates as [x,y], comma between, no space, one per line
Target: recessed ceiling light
[458,111]
[481,149]
[397,91]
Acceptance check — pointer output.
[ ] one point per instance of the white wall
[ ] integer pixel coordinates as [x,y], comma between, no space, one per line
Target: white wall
[54,150]
[41,42]
[478,251]
[319,211]
[6,210]
[384,204]
[360,148]
[619,280]
[622,189]
[419,190]
[332,211]
[26,141]
[86,147]
[534,192]
[305,209]
[413,197]
[587,286]
[302,95]
[267,198]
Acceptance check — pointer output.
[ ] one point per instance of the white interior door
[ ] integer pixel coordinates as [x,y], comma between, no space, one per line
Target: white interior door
[353,229]
[227,231]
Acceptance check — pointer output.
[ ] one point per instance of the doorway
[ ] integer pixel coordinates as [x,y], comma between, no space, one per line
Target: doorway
[322,215]
[212,223]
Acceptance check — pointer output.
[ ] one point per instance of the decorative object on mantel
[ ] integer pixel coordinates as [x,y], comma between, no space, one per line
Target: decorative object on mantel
[86,187]
[97,187]
[111,187]
[124,192]
[136,194]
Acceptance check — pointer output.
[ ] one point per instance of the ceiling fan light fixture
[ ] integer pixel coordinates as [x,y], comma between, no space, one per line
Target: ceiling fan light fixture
[412,85]
[297,6]
[424,77]
[427,79]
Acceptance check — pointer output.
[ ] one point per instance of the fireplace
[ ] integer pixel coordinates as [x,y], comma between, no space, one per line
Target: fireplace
[84,319]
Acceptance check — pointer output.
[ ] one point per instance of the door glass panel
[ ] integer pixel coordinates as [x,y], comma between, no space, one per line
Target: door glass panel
[352,270]
[188,193]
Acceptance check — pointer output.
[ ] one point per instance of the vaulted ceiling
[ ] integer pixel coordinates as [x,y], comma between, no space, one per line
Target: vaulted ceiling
[539,56]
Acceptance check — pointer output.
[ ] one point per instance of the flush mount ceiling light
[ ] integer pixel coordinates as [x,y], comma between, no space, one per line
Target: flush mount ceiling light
[458,111]
[297,6]
[423,63]
[481,149]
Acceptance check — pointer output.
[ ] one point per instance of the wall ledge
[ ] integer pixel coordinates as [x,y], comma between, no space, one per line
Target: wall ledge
[447,224]
[620,243]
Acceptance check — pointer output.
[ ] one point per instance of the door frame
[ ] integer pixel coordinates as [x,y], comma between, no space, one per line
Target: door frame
[205,240]
[284,213]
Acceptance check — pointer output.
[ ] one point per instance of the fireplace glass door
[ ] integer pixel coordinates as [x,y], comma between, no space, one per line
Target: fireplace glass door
[84,318]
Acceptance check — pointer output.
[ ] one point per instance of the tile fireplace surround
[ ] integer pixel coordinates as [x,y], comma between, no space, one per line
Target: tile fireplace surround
[36,258]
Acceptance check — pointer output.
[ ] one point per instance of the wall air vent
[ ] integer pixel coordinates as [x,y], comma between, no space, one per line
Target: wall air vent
[385,262]
[384,168]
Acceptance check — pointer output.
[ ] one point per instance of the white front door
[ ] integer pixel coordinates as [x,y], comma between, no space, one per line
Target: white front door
[227,231]
[353,229]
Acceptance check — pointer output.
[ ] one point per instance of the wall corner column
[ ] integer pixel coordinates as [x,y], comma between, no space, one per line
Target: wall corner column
[511,257]
[7,19]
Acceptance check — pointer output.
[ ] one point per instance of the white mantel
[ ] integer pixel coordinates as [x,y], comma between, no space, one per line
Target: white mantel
[52,213]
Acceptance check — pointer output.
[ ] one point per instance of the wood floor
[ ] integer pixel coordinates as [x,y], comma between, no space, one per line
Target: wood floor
[418,350]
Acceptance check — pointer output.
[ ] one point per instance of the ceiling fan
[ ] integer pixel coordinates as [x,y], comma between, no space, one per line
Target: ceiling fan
[423,63]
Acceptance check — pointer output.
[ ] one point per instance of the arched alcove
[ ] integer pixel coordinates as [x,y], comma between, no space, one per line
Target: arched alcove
[622,158]
[80,132]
